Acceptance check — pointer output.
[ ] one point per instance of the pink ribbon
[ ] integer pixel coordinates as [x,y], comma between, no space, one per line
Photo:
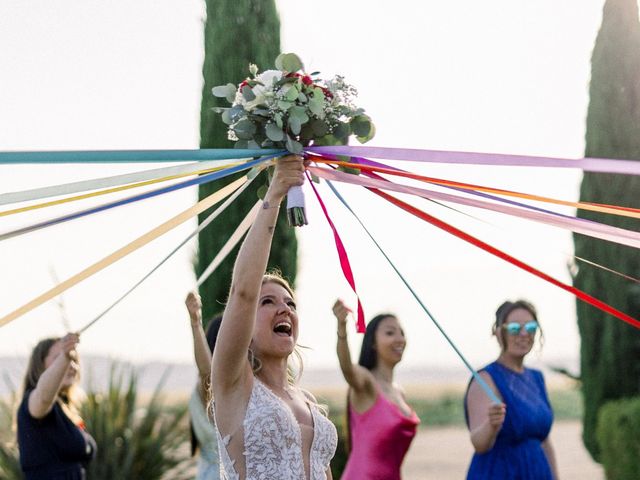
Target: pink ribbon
[578,225]
[344,259]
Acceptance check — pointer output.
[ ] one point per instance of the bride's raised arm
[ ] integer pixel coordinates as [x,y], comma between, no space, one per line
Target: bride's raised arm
[230,364]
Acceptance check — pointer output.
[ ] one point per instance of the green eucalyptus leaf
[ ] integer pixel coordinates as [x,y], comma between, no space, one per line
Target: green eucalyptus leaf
[293,146]
[274,132]
[292,94]
[247,93]
[284,105]
[369,136]
[342,130]
[243,136]
[318,93]
[316,107]
[226,116]
[289,62]
[223,91]
[253,144]
[302,98]
[286,80]
[295,125]
[320,127]
[278,118]
[236,110]
[306,134]
[240,144]
[245,125]
[300,113]
[278,61]
[361,125]
[314,178]
[328,140]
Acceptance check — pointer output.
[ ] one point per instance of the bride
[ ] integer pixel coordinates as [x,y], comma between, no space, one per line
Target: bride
[268,428]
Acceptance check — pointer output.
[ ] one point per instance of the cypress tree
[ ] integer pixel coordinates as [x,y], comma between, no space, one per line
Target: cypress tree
[237,32]
[610,349]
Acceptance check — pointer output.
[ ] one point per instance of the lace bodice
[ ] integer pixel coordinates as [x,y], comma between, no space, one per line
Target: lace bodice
[273,441]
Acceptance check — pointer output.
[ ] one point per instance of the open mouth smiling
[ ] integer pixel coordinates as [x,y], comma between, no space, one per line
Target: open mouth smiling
[283,329]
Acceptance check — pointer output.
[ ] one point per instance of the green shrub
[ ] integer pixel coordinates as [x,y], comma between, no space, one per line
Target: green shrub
[618,436]
[142,443]
[9,460]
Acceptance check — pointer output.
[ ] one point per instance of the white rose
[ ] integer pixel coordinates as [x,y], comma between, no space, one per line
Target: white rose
[268,78]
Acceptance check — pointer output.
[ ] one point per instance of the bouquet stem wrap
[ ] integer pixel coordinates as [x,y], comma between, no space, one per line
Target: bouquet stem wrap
[296,213]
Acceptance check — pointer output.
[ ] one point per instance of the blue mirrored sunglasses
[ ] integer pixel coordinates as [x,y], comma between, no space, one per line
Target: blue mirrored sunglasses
[514,328]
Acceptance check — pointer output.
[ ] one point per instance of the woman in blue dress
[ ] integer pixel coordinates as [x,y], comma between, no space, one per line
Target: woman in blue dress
[511,439]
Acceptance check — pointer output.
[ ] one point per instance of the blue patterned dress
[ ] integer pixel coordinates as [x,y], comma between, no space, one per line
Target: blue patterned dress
[517,453]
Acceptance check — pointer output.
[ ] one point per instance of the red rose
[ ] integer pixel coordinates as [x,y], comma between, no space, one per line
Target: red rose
[307,80]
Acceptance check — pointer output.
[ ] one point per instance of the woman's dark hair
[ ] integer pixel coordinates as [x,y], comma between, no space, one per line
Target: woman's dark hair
[212,336]
[368,355]
[368,359]
[503,312]
[36,363]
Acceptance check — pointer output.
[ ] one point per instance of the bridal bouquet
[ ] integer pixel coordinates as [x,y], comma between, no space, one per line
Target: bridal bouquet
[288,108]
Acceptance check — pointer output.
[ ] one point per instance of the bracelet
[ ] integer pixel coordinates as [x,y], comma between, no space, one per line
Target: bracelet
[343,337]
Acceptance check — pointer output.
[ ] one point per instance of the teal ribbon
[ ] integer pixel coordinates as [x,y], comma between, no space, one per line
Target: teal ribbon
[134,156]
[477,377]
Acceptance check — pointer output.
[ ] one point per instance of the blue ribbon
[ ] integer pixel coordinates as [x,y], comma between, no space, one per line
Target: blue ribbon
[210,177]
[135,156]
[477,377]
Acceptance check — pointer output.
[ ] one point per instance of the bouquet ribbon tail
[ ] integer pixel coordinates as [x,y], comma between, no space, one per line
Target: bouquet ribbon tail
[296,213]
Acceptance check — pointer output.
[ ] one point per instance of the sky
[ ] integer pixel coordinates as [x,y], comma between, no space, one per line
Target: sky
[494,76]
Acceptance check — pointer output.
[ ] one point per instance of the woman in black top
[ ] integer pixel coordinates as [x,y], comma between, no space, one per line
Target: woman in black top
[51,438]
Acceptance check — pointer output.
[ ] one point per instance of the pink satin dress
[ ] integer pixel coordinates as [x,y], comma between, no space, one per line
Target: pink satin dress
[380,438]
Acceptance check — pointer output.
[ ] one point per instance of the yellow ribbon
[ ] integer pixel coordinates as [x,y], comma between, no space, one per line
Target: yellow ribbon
[111,190]
[199,207]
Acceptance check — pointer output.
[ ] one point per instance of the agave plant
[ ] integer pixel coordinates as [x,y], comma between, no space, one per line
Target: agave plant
[145,443]
[9,460]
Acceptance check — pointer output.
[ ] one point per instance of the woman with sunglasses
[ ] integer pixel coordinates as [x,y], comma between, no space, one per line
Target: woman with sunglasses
[511,439]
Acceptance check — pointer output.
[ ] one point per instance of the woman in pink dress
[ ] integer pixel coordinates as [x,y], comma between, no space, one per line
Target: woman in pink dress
[381,425]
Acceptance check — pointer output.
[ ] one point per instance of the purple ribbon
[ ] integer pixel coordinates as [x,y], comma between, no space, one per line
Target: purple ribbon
[602,165]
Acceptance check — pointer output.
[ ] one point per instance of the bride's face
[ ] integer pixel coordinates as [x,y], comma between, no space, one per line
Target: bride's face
[276,329]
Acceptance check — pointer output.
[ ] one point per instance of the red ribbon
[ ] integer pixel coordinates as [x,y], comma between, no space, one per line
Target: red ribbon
[344,259]
[585,297]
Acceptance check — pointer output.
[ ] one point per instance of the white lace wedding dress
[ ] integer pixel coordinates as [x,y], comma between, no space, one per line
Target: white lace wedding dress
[273,441]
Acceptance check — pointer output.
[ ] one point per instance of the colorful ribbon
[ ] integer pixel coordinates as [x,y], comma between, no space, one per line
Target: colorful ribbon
[344,258]
[602,165]
[210,177]
[201,227]
[107,191]
[106,182]
[504,256]
[474,373]
[381,168]
[578,225]
[126,250]
[135,156]
[233,240]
